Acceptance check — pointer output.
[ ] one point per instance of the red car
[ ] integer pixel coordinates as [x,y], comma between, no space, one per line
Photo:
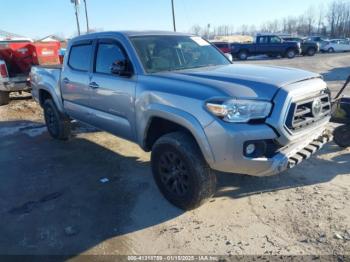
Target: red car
[225,47]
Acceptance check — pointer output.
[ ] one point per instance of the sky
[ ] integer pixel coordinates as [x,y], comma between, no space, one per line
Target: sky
[38,18]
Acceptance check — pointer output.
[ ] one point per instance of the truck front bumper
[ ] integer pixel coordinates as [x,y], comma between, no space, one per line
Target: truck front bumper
[227,144]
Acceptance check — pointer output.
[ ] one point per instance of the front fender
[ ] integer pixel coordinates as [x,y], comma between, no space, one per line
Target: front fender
[179,117]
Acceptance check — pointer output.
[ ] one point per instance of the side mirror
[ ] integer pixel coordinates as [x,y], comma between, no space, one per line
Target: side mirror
[229,56]
[121,68]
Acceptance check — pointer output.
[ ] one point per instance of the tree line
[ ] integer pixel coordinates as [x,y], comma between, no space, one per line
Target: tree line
[332,20]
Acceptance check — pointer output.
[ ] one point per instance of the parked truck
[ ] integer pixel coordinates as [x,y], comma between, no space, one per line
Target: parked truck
[180,97]
[16,58]
[308,47]
[271,45]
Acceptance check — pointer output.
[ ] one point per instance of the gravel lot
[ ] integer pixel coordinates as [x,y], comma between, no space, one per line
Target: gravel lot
[52,200]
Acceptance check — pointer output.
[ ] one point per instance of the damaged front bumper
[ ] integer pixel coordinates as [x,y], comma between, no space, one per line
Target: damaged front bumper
[293,155]
[227,145]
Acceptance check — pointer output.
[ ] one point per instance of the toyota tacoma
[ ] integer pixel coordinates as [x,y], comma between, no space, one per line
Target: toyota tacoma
[181,98]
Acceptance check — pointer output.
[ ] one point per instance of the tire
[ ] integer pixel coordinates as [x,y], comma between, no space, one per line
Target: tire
[59,126]
[180,171]
[243,55]
[311,52]
[342,136]
[290,53]
[330,50]
[4,98]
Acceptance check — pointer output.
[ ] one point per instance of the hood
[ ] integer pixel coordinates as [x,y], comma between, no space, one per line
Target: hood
[243,80]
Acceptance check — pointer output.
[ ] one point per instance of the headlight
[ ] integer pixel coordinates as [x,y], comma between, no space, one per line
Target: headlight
[240,111]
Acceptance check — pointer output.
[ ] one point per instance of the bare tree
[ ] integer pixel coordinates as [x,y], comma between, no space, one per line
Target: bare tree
[310,19]
[332,20]
[320,18]
[196,30]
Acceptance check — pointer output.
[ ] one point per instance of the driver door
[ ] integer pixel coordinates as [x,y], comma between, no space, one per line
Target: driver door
[113,96]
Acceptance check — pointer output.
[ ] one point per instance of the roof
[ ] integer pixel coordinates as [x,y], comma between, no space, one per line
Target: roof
[132,33]
[51,38]
[142,33]
[7,36]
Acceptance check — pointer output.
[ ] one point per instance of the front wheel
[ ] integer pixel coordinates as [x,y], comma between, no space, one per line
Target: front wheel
[4,98]
[290,53]
[330,50]
[59,126]
[180,171]
[342,136]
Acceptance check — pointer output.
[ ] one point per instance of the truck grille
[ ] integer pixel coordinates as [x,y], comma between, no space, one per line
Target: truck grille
[307,112]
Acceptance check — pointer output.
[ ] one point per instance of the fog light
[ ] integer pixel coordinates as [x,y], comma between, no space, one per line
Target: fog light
[250,149]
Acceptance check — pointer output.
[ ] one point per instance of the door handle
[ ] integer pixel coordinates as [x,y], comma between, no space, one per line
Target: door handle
[94,85]
[65,80]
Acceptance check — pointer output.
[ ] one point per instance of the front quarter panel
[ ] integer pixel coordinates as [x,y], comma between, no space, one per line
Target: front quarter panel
[175,102]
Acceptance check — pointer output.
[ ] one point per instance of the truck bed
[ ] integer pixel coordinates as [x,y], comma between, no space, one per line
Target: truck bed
[46,75]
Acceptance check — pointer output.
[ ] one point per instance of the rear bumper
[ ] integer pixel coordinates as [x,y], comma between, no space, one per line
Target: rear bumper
[15,84]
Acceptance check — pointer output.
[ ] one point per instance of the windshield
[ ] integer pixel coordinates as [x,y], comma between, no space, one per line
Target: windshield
[169,53]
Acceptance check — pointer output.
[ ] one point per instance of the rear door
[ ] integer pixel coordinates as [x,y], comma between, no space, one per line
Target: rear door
[276,46]
[262,45]
[344,45]
[75,80]
[113,96]
[336,46]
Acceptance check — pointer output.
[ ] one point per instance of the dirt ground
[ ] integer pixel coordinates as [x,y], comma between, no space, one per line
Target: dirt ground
[95,194]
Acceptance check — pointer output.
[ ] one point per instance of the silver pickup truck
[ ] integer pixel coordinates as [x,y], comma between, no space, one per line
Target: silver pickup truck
[181,98]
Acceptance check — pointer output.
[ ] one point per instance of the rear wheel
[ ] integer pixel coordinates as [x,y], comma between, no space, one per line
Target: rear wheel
[290,53]
[311,52]
[243,55]
[181,172]
[4,98]
[59,126]
[342,136]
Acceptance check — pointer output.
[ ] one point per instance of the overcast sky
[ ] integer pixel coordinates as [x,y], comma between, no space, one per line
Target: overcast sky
[38,18]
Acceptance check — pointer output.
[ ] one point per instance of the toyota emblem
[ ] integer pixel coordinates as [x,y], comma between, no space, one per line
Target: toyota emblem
[316,107]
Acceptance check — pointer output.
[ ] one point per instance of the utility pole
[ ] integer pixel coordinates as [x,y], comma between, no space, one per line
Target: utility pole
[208,34]
[173,10]
[76,2]
[87,18]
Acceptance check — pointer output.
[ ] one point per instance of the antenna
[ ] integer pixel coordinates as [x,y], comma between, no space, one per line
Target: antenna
[173,10]
[87,18]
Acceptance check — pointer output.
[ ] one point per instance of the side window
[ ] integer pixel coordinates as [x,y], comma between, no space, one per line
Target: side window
[107,54]
[80,57]
[275,40]
[263,39]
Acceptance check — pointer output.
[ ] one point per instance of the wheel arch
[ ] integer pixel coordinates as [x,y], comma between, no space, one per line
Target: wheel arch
[44,93]
[162,119]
